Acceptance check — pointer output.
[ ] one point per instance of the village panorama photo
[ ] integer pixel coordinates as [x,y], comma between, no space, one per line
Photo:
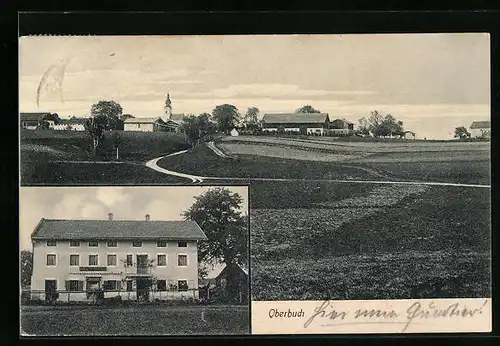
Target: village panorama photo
[367,158]
[152,260]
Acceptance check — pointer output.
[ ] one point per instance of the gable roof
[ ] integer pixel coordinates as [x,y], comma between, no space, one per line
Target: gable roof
[295,118]
[32,116]
[226,268]
[178,117]
[143,120]
[480,125]
[117,229]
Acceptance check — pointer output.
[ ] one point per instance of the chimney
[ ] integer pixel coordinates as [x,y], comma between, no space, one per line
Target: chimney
[148,217]
[110,216]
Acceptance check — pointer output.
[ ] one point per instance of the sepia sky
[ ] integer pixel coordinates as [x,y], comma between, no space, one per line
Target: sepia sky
[126,203]
[433,82]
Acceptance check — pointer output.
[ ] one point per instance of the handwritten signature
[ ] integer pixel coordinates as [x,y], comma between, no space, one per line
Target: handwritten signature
[417,311]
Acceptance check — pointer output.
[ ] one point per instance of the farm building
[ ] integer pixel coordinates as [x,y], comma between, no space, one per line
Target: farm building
[149,125]
[341,127]
[480,129]
[300,123]
[79,260]
[232,283]
[71,124]
[234,133]
[32,121]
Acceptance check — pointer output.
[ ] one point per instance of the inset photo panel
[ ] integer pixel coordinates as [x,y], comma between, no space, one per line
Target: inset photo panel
[125,261]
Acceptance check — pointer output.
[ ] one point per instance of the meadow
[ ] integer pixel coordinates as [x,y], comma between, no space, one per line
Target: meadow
[134,321]
[65,157]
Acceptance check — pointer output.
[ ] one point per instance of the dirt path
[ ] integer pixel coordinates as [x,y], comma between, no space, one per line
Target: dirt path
[153,164]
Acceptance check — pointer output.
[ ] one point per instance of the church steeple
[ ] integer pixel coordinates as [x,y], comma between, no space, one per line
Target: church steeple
[168,106]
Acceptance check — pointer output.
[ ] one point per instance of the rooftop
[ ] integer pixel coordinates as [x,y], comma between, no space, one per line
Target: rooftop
[480,125]
[116,229]
[143,120]
[294,118]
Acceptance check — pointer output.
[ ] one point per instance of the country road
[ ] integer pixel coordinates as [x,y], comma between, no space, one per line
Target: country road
[195,179]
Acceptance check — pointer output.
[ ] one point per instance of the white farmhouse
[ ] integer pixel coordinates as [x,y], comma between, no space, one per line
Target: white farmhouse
[74,260]
[480,129]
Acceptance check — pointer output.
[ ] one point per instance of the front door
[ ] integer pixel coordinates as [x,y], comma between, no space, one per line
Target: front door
[143,286]
[50,290]
[94,288]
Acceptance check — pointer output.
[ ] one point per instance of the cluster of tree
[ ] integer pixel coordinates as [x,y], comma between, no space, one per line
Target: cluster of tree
[105,116]
[218,213]
[26,268]
[307,109]
[381,126]
[462,133]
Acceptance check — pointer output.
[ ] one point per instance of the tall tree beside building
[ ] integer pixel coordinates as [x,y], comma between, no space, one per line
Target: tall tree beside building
[26,268]
[226,117]
[108,113]
[218,213]
[307,109]
[251,119]
[196,127]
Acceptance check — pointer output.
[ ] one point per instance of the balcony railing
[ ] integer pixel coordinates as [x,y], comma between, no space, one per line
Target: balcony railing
[142,270]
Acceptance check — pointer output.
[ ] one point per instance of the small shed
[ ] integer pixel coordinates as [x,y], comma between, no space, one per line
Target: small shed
[232,283]
[234,133]
[409,135]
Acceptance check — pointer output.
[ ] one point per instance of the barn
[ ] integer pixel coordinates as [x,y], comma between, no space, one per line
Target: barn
[299,123]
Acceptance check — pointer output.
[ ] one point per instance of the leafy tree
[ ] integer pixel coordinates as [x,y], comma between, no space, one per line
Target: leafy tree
[217,212]
[196,127]
[381,126]
[109,111]
[226,117]
[461,132]
[251,119]
[307,109]
[95,126]
[26,267]
[126,116]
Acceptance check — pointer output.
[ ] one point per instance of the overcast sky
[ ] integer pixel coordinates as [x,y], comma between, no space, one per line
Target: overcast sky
[126,203]
[432,82]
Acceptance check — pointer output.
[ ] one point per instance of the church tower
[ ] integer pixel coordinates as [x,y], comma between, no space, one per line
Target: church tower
[168,107]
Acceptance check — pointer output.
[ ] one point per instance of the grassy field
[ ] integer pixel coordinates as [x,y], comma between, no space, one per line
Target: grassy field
[55,157]
[141,320]
[377,243]
[319,239]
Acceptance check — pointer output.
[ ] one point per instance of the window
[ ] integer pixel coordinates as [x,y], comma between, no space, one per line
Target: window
[138,126]
[51,260]
[74,260]
[93,243]
[161,243]
[93,260]
[111,243]
[111,260]
[110,285]
[182,285]
[161,285]
[130,261]
[51,243]
[182,244]
[182,260]
[137,243]
[130,287]
[74,285]
[74,243]
[162,260]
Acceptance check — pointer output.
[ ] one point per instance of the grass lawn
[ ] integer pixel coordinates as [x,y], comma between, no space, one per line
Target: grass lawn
[141,320]
[410,238]
[51,157]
